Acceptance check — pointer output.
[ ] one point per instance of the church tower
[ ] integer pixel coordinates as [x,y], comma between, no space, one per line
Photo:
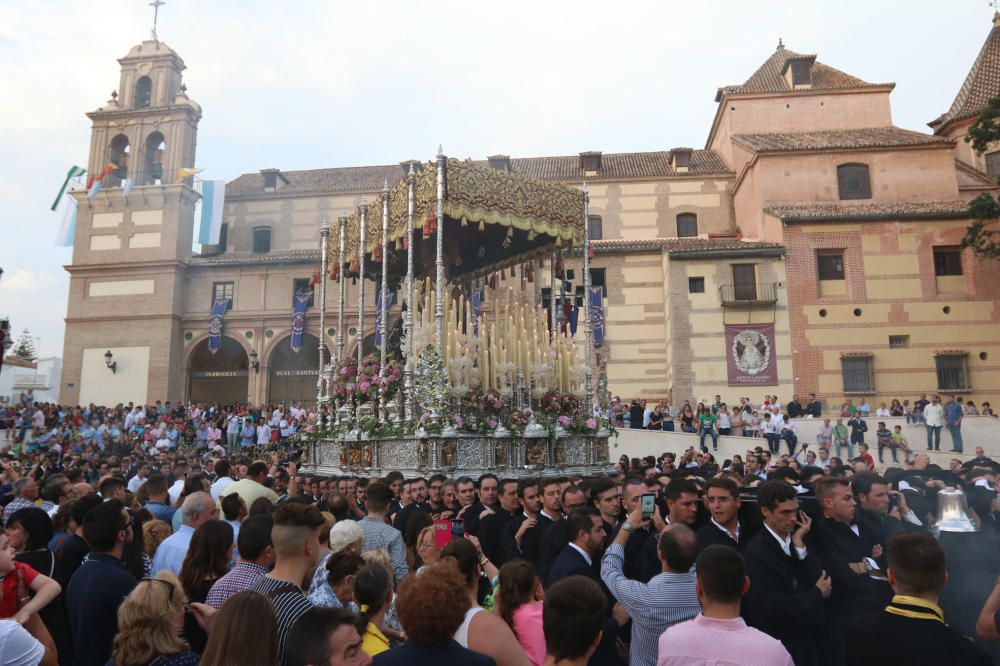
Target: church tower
[133,238]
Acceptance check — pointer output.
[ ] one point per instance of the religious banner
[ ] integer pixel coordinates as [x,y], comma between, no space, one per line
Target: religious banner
[750,355]
[302,297]
[597,313]
[215,324]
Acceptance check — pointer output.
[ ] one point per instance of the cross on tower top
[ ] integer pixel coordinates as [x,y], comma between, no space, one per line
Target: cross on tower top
[156,4]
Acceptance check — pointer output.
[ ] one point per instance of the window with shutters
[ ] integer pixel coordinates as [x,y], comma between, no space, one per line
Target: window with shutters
[262,240]
[857,374]
[800,72]
[947,261]
[687,225]
[952,372]
[853,181]
[596,227]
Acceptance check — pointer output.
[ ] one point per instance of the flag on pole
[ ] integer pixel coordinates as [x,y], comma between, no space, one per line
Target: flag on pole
[213,196]
[67,225]
[95,187]
[185,172]
[127,187]
[74,172]
[597,312]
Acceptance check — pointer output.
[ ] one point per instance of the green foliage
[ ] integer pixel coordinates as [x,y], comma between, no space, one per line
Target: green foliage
[984,209]
[25,347]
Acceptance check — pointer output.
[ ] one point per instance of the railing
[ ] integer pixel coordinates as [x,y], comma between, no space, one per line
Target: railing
[761,292]
[31,381]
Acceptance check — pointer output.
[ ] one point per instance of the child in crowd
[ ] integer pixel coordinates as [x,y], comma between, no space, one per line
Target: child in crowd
[883,437]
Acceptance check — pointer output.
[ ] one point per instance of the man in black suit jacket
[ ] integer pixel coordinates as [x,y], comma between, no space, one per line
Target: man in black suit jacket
[492,525]
[682,507]
[788,588]
[530,545]
[578,556]
[911,629]
[513,532]
[723,501]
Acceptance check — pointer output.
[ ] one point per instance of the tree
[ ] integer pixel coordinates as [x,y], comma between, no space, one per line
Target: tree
[984,209]
[25,347]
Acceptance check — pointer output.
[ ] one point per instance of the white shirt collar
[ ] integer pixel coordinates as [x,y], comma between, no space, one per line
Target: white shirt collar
[586,556]
[727,532]
[785,543]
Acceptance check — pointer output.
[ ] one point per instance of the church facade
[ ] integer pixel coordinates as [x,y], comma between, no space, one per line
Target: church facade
[810,247]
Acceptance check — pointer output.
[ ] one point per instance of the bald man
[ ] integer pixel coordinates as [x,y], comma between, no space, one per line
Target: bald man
[197,509]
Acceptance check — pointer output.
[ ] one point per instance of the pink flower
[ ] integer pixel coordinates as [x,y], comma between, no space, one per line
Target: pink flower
[310,428]
[564,421]
[591,424]
[458,421]
[492,423]
[364,386]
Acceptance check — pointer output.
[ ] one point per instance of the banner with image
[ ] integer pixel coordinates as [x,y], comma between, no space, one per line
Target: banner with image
[299,317]
[215,324]
[750,355]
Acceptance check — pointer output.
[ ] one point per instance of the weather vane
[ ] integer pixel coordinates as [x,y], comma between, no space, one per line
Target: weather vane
[156,4]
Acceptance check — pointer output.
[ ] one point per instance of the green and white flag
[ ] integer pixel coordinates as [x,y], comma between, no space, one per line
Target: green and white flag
[74,172]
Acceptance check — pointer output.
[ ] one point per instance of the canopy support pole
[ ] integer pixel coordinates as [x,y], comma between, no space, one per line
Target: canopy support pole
[384,294]
[322,385]
[342,296]
[408,405]
[588,324]
[552,293]
[362,221]
[439,259]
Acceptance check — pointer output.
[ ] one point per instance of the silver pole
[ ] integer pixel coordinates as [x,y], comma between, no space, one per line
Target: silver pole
[439,260]
[322,390]
[552,294]
[342,222]
[588,324]
[384,290]
[410,305]
[362,221]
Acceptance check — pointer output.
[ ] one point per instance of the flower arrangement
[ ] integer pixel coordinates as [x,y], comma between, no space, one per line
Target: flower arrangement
[558,404]
[361,385]
[480,411]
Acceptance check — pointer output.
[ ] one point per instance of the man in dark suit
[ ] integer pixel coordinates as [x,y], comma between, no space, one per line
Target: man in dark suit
[492,525]
[876,519]
[578,556]
[788,588]
[514,531]
[488,487]
[723,501]
[558,534]
[911,629]
[682,507]
[529,546]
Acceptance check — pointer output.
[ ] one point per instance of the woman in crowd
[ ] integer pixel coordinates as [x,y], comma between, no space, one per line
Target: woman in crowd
[149,625]
[244,633]
[519,604]
[207,561]
[345,537]
[417,523]
[656,418]
[736,422]
[154,532]
[688,419]
[895,409]
[373,594]
[427,547]
[481,631]
[340,569]
[432,607]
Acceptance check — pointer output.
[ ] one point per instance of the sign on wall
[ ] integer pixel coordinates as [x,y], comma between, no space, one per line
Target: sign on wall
[750,355]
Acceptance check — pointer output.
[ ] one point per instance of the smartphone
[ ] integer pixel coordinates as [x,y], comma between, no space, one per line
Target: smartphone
[457,527]
[648,505]
[442,533]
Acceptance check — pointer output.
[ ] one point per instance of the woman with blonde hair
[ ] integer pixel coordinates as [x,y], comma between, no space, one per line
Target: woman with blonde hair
[244,632]
[149,625]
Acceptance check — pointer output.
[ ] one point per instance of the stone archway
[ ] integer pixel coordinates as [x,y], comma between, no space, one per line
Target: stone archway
[292,375]
[222,377]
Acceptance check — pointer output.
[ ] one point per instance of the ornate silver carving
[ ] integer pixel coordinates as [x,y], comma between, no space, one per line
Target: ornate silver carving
[384,293]
[363,221]
[341,222]
[442,162]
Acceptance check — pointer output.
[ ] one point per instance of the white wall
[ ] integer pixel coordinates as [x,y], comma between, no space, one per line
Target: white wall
[129,382]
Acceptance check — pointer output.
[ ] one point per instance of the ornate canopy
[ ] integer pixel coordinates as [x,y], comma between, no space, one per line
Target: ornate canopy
[493,219]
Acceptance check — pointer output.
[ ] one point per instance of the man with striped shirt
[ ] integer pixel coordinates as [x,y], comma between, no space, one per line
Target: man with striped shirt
[295,537]
[668,598]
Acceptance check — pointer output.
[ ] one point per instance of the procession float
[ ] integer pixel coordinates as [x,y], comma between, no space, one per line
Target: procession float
[483,375]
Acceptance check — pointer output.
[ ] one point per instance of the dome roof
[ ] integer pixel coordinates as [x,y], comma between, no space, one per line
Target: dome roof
[150,47]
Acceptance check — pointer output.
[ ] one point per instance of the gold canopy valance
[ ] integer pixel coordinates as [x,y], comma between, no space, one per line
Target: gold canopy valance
[476,195]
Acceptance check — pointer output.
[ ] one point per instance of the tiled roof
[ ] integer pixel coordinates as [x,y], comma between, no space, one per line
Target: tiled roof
[870,137]
[343,179]
[683,246]
[248,258]
[981,84]
[655,164]
[855,212]
[19,362]
[769,78]
[970,178]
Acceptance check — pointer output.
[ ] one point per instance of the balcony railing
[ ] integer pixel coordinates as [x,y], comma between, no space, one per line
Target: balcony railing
[739,294]
[31,381]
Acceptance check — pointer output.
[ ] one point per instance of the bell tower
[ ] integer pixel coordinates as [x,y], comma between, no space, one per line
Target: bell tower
[133,239]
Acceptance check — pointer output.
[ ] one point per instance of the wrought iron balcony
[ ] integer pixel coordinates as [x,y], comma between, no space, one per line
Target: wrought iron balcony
[749,293]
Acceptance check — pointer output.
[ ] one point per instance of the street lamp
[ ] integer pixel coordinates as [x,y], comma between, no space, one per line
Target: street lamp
[112,365]
[254,362]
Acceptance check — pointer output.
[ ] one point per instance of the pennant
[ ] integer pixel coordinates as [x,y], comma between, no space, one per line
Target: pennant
[574,315]
[299,317]
[74,172]
[187,172]
[95,187]
[215,324]
[127,187]
[67,225]
[213,197]
[597,312]
[98,177]
[379,313]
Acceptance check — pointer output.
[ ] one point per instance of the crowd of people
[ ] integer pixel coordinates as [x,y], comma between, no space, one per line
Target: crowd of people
[120,551]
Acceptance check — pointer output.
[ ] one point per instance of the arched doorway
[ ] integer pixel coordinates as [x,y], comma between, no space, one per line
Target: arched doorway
[293,374]
[221,377]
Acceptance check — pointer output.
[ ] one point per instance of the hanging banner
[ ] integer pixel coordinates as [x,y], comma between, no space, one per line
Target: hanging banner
[750,355]
[378,313]
[597,313]
[299,317]
[215,324]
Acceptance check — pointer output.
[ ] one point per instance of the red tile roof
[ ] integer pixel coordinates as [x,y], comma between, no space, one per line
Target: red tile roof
[981,84]
[769,78]
[872,210]
[871,137]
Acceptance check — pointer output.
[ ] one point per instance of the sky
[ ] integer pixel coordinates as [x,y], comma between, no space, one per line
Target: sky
[310,84]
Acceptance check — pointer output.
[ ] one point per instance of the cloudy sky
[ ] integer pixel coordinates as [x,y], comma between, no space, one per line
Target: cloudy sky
[304,84]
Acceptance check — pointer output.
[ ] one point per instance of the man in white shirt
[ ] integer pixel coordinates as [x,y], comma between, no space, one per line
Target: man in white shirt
[263,433]
[934,420]
[197,510]
[141,472]
[222,479]
[180,475]
[20,648]
[233,430]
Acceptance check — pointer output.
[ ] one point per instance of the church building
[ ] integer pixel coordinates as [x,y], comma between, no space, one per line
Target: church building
[811,246]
